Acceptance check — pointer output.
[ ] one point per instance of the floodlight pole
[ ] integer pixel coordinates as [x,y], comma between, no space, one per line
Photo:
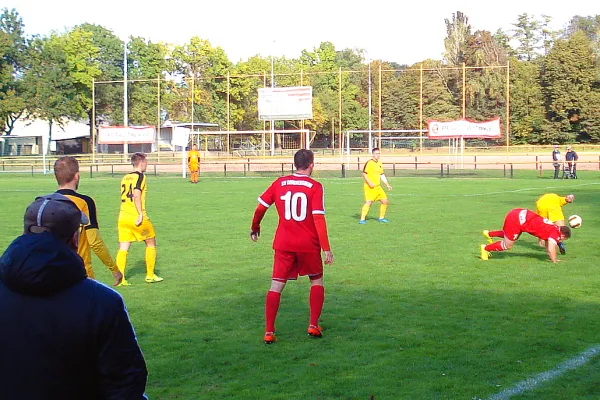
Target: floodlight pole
[370,122]
[125,109]
[272,87]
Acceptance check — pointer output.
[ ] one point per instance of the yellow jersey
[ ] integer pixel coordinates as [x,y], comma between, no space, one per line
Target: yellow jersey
[193,158]
[87,206]
[374,170]
[130,182]
[550,200]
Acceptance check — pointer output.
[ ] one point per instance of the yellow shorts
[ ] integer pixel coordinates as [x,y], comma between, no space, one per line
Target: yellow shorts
[374,194]
[553,214]
[128,232]
[194,167]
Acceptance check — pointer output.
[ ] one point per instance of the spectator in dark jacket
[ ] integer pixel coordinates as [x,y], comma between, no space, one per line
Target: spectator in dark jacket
[571,158]
[62,335]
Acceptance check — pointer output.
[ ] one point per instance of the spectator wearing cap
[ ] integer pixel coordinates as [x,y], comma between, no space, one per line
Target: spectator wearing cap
[62,335]
[556,158]
[571,158]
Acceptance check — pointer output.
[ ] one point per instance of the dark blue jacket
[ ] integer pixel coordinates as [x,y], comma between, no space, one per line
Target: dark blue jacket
[62,335]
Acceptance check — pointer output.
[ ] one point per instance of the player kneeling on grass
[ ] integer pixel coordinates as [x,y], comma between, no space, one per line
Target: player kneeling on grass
[300,236]
[520,220]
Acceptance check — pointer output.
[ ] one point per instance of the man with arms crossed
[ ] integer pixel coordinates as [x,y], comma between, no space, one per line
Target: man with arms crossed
[66,172]
[134,224]
[300,236]
[520,220]
[373,175]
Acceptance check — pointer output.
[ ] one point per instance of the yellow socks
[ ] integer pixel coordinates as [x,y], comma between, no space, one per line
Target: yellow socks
[150,261]
[364,211]
[122,261]
[382,211]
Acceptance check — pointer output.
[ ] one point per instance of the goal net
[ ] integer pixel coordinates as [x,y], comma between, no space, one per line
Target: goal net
[245,144]
[399,140]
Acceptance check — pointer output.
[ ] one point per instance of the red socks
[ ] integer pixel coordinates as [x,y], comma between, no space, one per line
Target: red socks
[496,246]
[496,233]
[316,300]
[271,308]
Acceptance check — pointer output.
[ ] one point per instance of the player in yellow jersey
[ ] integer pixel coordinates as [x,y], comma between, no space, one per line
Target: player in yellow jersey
[550,205]
[66,172]
[194,164]
[134,224]
[373,175]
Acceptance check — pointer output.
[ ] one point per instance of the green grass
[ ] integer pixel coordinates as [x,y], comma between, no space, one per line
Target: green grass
[411,312]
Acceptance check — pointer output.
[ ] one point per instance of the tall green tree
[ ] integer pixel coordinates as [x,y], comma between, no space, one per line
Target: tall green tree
[13,54]
[109,59]
[458,34]
[145,63]
[527,116]
[568,79]
[207,66]
[50,89]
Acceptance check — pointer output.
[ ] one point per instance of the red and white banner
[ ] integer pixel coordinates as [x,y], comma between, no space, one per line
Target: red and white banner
[285,103]
[125,134]
[464,128]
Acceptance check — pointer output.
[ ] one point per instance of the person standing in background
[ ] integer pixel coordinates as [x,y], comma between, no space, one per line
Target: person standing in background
[556,161]
[194,164]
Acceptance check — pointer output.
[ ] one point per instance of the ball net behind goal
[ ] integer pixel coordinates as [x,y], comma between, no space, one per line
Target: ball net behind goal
[252,143]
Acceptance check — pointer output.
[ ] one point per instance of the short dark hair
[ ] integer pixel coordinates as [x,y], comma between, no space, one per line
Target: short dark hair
[303,158]
[136,158]
[375,149]
[565,231]
[65,169]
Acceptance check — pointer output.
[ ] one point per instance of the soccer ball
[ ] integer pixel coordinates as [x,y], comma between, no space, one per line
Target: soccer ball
[575,221]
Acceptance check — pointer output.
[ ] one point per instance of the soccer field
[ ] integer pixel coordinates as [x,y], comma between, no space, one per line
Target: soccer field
[411,312]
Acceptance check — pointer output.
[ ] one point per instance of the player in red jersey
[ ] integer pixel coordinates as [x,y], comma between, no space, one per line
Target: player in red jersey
[520,220]
[300,236]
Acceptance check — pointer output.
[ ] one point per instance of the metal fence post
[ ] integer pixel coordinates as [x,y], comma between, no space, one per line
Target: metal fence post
[154,169]
[394,169]
[343,171]
[441,170]
[511,171]
[90,171]
[225,170]
[416,165]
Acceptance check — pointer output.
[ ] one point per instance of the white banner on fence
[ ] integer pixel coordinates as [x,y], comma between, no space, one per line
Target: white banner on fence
[285,103]
[465,129]
[125,134]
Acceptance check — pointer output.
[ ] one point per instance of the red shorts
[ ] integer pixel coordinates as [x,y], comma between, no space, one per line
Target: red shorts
[512,224]
[288,265]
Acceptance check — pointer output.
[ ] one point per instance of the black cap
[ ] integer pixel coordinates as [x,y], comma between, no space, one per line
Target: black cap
[54,213]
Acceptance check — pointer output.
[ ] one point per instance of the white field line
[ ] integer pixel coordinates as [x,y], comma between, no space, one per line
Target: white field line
[535,381]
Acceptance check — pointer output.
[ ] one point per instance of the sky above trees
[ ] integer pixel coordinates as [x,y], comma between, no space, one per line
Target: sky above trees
[401,32]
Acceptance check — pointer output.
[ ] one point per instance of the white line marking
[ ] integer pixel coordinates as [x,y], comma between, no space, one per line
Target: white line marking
[535,381]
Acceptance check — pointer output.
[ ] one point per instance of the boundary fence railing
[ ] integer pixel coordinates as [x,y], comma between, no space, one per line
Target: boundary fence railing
[442,167]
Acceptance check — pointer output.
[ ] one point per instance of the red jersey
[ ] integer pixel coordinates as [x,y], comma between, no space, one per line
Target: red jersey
[297,198]
[521,220]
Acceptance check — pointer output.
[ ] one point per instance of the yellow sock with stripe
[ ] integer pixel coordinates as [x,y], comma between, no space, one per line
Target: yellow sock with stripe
[382,211]
[364,211]
[122,261]
[150,261]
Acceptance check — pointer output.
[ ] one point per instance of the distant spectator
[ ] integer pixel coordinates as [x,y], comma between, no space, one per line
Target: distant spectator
[62,335]
[571,157]
[556,158]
